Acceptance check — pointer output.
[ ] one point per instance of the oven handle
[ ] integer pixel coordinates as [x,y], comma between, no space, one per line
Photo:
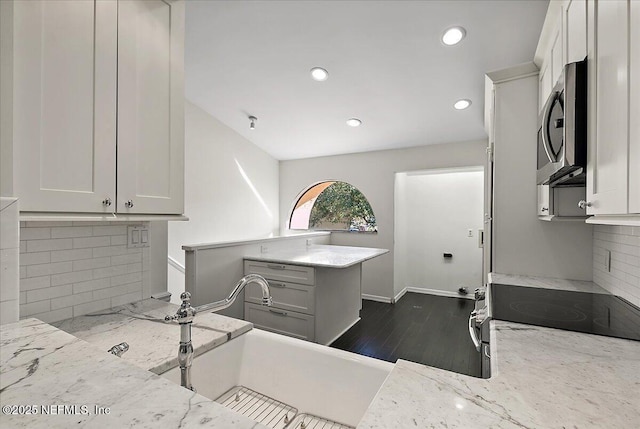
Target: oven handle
[546,144]
[472,330]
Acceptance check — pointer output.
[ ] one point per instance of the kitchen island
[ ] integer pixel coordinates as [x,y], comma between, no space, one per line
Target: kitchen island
[317,291]
[542,378]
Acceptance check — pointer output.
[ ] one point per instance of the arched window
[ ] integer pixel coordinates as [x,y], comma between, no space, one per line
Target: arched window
[333,206]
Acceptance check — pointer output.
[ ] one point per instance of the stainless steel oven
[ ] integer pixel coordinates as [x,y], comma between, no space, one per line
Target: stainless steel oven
[479,330]
[562,130]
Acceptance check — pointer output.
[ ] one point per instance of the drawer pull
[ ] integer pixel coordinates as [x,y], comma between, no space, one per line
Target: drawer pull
[279,313]
[274,284]
[276,266]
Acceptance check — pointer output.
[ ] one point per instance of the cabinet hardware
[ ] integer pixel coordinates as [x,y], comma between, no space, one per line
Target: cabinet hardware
[584,204]
[276,267]
[129,204]
[106,202]
[274,284]
[279,313]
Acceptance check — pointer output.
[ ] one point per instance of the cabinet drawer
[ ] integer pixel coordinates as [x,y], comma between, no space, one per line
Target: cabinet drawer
[281,272]
[286,296]
[283,322]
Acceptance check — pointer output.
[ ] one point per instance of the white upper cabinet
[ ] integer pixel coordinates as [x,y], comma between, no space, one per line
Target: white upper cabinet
[575,30]
[65,104]
[608,159]
[150,107]
[99,101]
[634,108]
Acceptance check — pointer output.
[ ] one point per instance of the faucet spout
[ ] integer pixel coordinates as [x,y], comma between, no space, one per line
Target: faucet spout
[186,314]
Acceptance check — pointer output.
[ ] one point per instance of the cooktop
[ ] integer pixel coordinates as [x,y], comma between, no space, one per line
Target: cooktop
[592,313]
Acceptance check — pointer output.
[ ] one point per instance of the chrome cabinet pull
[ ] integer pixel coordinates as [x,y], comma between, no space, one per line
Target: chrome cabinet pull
[584,204]
[106,202]
[274,284]
[472,330]
[276,267]
[129,204]
[279,313]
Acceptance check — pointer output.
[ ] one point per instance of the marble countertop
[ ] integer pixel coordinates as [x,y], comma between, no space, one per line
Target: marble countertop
[542,378]
[320,255]
[546,283]
[42,366]
[153,343]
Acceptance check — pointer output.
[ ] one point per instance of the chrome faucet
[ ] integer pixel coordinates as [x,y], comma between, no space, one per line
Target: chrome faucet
[186,313]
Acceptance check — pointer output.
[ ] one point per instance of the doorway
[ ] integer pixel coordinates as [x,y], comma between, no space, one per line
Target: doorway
[439,220]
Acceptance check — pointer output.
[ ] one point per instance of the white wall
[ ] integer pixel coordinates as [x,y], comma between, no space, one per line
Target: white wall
[522,244]
[624,244]
[373,173]
[231,189]
[434,211]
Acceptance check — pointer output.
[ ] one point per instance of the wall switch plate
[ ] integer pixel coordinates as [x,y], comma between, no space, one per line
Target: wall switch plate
[309,242]
[264,249]
[137,236]
[607,260]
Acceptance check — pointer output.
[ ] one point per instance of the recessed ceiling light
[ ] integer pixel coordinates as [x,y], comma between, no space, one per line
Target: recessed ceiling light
[461,104]
[354,122]
[453,35]
[319,74]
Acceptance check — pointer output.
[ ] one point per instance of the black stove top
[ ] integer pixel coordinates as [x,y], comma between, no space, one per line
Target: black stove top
[592,313]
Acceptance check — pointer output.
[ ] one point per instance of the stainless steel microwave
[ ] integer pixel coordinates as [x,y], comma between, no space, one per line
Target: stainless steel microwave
[562,130]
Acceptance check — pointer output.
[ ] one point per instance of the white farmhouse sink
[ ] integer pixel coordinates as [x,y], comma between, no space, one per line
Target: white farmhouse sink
[315,379]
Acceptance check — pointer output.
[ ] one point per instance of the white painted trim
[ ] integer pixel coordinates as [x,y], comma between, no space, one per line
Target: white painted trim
[439,292]
[377,298]
[624,220]
[399,295]
[343,331]
[175,264]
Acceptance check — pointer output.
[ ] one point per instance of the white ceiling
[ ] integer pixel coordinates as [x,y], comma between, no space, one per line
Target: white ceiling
[386,63]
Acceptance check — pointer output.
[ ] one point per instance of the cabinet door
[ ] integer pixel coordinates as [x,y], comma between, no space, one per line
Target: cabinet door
[634,106]
[150,106]
[65,104]
[607,166]
[576,30]
[557,54]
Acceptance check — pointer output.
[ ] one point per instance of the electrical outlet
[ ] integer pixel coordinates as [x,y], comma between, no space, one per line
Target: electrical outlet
[264,249]
[309,242]
[469,232]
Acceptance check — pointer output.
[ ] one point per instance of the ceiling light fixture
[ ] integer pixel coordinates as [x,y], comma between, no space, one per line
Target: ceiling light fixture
[453,35]
[462,104]
[252,125]
[319,74]
[354,122]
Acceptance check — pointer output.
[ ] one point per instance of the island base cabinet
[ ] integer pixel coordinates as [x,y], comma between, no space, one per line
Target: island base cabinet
[290,323]
[287,296]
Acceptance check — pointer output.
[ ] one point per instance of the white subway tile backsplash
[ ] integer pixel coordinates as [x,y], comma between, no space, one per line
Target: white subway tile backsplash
[35,283]
[624,244]
[48,293]
[110,230]
[35,233]
[91,285]
[88,264]
[84,242]
[45,245]
[71,255]
[35,258]
[71,231]
[72,268]
[73,277]
[47,269]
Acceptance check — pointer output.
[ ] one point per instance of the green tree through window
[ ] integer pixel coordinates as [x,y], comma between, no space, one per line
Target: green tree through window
[337,206]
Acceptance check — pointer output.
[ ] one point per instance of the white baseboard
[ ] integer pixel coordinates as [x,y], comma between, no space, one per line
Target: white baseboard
[343,331]
[399,295]
[377,298]
[439,292]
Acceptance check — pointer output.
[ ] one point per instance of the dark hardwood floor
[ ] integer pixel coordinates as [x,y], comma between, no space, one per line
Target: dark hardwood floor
[428,329]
